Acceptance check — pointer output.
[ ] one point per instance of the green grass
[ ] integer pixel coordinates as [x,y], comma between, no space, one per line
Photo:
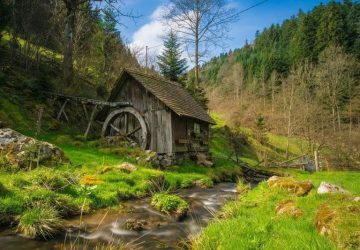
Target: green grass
[92,180]
[252,223]
[170,204]
[42,222]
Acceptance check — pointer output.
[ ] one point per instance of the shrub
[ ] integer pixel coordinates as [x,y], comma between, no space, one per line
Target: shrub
[170,204]
[40,222]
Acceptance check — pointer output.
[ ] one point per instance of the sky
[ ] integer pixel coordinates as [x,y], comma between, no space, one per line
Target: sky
[147,30]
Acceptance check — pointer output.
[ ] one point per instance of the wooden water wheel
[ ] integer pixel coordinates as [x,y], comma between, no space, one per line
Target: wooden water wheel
[127,122]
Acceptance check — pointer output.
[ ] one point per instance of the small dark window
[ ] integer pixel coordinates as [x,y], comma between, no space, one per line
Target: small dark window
[196,128]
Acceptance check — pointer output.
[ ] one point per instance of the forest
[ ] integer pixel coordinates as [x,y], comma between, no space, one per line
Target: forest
[301,77]
[109,145]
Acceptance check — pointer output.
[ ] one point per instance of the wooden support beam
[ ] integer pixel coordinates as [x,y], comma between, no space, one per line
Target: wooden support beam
[133,131]
[85,111]
[62,111]
[90,121]
[115,128]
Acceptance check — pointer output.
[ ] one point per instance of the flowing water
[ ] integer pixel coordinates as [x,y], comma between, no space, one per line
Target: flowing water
[108,226]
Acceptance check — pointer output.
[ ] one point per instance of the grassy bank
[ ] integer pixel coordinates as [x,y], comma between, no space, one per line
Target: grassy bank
[94,179]
[252,221]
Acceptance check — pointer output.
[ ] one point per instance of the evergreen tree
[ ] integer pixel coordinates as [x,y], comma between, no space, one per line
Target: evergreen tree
[171,65]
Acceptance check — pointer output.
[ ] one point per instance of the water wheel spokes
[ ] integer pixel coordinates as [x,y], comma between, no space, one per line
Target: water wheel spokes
[127,122]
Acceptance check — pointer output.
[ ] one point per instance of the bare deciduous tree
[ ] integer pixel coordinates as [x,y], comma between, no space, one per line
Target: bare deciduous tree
[200,22]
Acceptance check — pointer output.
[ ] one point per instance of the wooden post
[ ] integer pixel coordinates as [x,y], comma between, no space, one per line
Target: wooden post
[90,122]
[38,123]
[317,164]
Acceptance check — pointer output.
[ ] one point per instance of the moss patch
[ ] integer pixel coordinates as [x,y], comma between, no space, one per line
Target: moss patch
[170,204]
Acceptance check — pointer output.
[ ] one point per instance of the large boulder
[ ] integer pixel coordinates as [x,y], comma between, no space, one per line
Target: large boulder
[26,152]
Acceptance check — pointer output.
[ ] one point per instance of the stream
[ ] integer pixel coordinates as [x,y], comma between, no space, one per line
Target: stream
[108,225]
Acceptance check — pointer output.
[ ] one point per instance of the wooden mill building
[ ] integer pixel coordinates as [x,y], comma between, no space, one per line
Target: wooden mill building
[161,116]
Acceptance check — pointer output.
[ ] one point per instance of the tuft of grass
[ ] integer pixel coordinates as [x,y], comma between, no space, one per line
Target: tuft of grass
[242,187]
[170,204]
[40,222]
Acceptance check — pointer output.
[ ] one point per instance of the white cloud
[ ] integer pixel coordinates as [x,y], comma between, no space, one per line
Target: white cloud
[150,35]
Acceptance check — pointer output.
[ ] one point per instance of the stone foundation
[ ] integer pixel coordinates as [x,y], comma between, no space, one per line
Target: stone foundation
[168,159]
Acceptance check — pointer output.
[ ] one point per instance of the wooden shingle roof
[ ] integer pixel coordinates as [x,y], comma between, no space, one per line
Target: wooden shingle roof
[172,94]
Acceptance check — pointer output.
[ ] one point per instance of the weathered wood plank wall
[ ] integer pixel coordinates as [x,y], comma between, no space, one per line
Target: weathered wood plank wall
[157,115]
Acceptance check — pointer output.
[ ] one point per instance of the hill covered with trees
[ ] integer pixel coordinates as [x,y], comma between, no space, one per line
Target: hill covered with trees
[301,77]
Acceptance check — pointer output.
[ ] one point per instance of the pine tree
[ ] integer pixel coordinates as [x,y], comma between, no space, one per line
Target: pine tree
[171,65]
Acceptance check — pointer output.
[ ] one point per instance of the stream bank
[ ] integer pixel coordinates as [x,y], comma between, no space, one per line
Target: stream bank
[109,225]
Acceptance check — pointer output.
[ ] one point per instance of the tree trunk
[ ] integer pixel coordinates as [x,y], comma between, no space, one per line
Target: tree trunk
[333,118]
[338,117]
[316,159]
[196,59]
[68,69]
[289,120]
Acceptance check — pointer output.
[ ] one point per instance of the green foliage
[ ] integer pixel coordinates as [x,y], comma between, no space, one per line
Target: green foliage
[39,222]
[281,47]
[260,129]
[169,204]
[3,190]
[170,63]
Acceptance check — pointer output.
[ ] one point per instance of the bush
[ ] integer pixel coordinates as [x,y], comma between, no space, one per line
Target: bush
[170,204]
[40,222]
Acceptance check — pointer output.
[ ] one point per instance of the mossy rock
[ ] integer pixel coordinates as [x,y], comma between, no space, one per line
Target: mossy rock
[170,204]
[26,153]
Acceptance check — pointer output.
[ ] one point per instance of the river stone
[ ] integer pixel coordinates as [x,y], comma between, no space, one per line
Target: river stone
[135,225]
[24,152]
[325,188]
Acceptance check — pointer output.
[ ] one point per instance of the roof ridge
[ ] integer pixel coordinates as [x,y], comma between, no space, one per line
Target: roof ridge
[153,77]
